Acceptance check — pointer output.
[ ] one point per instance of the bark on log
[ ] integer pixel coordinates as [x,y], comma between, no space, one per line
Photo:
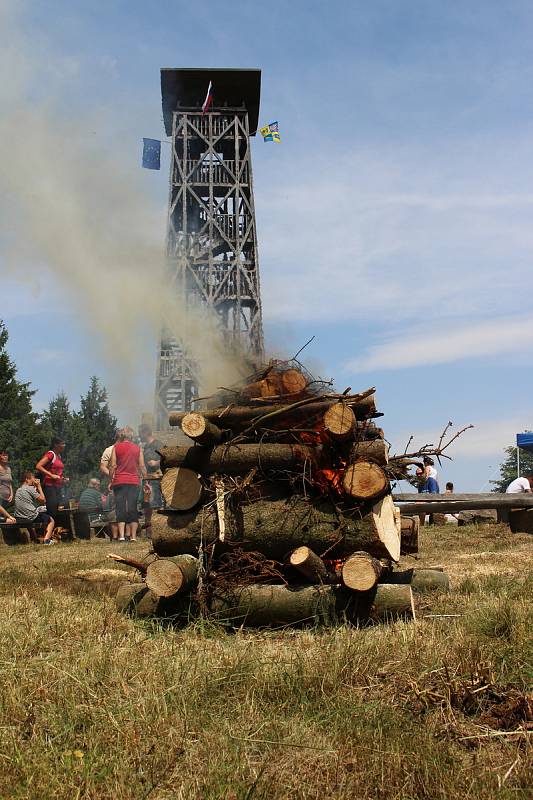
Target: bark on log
[236,417]
[137,600]
[263,606]
[309,564]
[239,458]
[339,422]
[181,488]
[375,450]
[361,572]
[422,580]
[275,528]
[166,577]
[409,535]
[200,430]
[392,602]
[365,480]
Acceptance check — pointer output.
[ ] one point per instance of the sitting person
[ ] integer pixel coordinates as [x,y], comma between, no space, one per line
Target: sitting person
[520,485]
[6,515]
[91,499]
[29,505]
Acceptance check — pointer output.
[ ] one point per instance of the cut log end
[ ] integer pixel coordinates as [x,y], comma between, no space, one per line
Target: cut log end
[365,480]
[181,488]
[339,422]
[309,564]
[166,577]
[361,572]
[293,381]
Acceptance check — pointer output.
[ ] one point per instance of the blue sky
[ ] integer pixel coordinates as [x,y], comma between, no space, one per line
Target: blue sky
[394,221]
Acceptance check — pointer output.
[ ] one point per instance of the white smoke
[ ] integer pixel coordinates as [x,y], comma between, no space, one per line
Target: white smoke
[78,209]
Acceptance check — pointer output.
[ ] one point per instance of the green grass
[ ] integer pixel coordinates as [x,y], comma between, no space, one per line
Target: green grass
[96,705]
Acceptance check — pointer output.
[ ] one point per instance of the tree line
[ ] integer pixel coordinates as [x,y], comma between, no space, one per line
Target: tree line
[26,434]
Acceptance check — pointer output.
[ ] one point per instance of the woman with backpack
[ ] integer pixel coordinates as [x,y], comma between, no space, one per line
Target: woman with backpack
[51,468]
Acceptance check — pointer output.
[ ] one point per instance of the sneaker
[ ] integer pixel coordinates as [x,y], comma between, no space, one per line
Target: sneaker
[49,541]
[122,539]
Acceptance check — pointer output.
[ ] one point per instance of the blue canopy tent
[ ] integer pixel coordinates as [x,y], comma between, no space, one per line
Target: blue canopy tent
[524,441]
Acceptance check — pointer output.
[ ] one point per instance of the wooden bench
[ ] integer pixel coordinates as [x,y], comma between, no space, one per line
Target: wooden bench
[20,532]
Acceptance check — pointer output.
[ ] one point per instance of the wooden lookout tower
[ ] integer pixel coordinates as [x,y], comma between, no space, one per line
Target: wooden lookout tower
[211,236]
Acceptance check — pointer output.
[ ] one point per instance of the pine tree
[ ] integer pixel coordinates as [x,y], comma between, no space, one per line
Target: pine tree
[509,468]
[22,433]
[58,417]
[92,430]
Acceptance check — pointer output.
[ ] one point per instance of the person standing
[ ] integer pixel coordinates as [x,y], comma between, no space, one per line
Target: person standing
[28,498]
[126,469]
[106,457]
[6,479]
[51,468]
[520,485]
[431,483]
[152,497]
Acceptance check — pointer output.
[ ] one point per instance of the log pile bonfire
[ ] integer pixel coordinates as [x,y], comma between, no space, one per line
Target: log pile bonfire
[279,511]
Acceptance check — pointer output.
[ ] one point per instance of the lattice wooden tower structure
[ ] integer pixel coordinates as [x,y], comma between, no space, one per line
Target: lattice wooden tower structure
[211,236]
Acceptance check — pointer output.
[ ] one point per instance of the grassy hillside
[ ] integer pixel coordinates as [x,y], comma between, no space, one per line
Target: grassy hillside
[95,705]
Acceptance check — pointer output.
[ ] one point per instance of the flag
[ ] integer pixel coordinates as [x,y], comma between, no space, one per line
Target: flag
[208,99]
[151,154]
[270,133]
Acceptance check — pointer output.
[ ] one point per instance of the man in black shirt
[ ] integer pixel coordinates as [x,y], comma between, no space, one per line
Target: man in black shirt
[152,460]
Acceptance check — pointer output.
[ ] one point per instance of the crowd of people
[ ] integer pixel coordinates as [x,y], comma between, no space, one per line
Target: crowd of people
[129,487]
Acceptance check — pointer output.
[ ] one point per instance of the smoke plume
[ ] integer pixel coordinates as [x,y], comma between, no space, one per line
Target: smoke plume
[70,206]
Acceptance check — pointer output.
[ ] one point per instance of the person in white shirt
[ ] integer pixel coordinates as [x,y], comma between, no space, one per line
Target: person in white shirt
[520,485]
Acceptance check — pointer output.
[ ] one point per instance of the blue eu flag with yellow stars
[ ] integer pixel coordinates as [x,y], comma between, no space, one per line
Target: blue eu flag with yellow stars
[151,154]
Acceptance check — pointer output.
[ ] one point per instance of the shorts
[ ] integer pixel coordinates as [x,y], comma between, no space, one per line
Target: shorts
[42,518]
[126,502]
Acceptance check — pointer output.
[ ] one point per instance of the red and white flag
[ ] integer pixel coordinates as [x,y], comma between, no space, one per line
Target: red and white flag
[208,99]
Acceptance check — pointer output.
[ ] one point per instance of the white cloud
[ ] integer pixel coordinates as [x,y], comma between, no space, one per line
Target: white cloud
[449,344]
[398,235]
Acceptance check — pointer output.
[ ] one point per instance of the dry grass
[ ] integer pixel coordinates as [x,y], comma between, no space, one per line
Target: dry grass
[95,705]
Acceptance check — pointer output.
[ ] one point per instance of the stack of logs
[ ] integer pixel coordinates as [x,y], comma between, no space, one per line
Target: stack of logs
[278,512]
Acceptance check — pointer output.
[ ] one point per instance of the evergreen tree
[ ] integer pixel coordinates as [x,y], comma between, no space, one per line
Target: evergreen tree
[22,433]
[58,417]
[92,430]
[509,468]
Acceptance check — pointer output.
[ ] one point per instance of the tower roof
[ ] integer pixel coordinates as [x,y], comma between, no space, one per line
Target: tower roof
[231,87]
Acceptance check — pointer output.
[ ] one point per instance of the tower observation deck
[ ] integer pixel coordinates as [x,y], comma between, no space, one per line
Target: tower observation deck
[211,233]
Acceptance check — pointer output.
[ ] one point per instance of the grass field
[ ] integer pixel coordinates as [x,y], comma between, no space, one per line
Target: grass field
[96,705]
